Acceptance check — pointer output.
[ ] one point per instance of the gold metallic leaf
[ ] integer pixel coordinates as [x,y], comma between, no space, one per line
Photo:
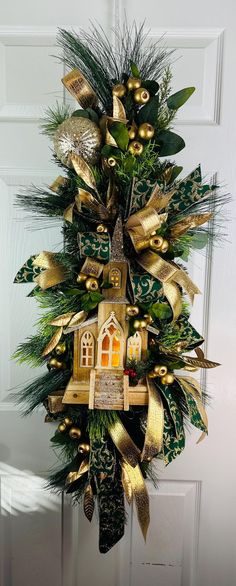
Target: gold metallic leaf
[63,319]
[53,342]
[83,170]
[88,503]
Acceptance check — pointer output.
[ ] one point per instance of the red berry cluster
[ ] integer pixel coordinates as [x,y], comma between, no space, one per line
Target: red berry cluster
[130,372]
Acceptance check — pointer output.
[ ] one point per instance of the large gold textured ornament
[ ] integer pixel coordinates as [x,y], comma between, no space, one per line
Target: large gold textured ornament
[77,136]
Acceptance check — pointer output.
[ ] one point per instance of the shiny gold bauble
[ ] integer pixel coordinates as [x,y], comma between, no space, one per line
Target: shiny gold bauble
[160,370]
[68,421]
[156,242]
[62,427]
[81,278]
[133,83]
[119,90]
[60,348]
[143,324]
[75,433]
[84,448]
[77,136]
[136,324]
[132,131]
[164,246]
[141,96]
[152,374]
[101,229]
[91,284]
[132,310]
[146,131]
[111,162]
[148,318]
[135,148]
[167,379]
[54,363]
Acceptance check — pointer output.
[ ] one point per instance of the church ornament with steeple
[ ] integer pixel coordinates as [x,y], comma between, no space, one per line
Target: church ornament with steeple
[102,345]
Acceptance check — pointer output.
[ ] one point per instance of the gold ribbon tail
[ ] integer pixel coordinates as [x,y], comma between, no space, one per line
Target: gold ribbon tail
[124,443]
[140,495]
[155,424]
[54,272]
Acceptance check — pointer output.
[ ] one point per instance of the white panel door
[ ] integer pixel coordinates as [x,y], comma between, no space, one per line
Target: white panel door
[192,535]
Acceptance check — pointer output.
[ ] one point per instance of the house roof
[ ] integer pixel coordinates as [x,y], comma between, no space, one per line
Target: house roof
[87,322]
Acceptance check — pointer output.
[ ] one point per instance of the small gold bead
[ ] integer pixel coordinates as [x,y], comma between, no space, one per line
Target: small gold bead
[160,370]
[143,324]
[68,421]
[84,448]
[156,242]
[152,374]
[167,379]
[62,427]
[132,131]
[54,363]
[81,278]
[101,229]
[75,433]
[135,148]
[119,90]
[111,161]
[146,131]
[91,284]
[132,310]
[133,83]
[164,246]
[141,96]
[60,348]
[148,318]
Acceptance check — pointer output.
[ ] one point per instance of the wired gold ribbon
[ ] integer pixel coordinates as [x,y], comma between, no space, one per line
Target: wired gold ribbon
[54,272]
[80,89]
[124,444]
[134,486]
[155,424]
[73,476]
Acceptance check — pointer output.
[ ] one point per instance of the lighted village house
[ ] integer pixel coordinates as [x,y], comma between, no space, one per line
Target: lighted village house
[102,345]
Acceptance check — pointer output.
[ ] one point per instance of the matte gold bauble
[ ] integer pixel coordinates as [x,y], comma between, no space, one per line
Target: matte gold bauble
[81,278]
[119,90]
[132,131]
[164,246]
[68,421]
[132,310]
[101,229]
[91,284]
[167,379]
[148,318]
[146,131]
[80,136]
[160,370]
[60,348]
[62,427]
[141,96]
[111,162]
[156,242]
[84,448]
[133,83]
[135,148]
[75,433]
[54,363]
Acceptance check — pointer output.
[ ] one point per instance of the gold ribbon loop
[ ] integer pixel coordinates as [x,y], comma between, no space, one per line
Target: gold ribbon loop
[92,268]
[140,494]
[124,443]
[78,86]
[155,424]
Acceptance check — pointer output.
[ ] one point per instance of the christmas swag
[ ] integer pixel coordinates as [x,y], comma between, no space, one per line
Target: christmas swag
[115,334]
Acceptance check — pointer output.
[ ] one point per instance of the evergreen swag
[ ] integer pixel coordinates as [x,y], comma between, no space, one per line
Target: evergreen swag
[129,98]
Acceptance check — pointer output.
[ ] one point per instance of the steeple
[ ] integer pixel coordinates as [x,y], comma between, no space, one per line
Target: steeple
[117,243]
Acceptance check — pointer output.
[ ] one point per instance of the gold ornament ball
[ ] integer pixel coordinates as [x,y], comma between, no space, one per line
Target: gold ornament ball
[146,131]
[141,96]
[111,162]
[160,370]
[75,433]
[68,421]
[62,427]
[132,310]
[132,131]
[84,448]
[152,374]
[101,229]
[119,90]
[148,318]
[77,136]
[91,284]
[135,148]
[81,278]
[143,324]
[60,348]
[54,363]
[167,379]
[133,83]
[156,242]
[164,246]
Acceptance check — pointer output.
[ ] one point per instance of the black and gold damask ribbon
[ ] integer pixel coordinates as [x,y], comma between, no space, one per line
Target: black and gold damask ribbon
[54,272]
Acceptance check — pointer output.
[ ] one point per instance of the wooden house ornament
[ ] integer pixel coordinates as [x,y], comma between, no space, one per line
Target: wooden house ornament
[102,345]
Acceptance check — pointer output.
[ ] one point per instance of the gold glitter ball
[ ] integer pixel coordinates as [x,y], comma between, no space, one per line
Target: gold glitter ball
[79,136]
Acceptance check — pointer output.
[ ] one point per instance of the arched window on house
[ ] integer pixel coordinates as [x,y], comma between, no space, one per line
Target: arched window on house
[134,347]
[111,344]
[87,350]
[115,278]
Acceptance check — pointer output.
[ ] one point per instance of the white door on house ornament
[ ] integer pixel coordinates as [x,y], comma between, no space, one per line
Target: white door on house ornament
[192,536]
